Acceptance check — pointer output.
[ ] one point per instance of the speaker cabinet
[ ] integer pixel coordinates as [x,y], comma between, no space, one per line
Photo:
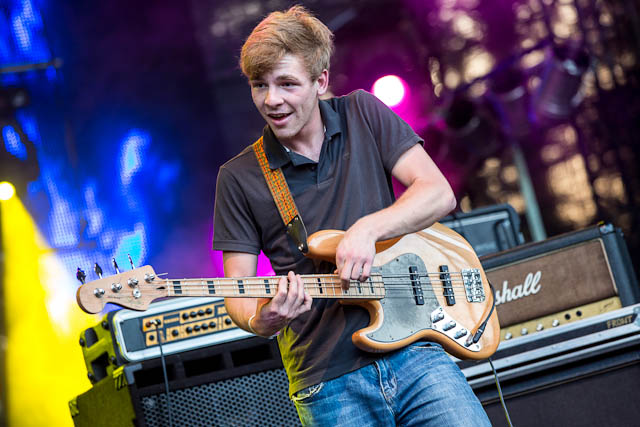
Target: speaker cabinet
[586,373]
[600,392]
[236,383]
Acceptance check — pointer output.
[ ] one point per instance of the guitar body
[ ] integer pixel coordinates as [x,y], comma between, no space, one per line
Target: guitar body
[401,318]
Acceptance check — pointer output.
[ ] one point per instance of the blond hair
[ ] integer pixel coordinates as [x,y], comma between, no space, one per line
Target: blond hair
[295,31]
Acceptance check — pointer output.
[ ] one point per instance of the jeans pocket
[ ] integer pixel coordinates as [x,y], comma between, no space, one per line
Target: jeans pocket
[308,394]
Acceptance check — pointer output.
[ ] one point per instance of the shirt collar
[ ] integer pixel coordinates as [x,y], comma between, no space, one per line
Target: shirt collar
[278,156]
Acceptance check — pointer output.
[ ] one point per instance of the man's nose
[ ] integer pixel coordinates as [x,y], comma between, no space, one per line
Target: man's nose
[273,98]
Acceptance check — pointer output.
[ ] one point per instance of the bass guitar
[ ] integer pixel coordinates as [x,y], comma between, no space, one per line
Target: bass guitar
[424,285]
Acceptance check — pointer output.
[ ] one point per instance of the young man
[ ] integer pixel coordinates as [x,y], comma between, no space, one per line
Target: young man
[338,157]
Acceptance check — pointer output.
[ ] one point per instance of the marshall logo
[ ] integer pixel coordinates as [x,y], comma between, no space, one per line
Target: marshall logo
[530,286]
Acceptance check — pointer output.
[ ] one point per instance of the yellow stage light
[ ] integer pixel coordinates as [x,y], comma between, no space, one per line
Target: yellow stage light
[7,190]
[44,365]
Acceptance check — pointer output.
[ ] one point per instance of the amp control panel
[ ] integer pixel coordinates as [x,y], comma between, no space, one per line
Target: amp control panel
[177,325]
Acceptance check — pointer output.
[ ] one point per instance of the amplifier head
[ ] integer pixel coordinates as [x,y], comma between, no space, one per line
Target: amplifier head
[557,275]
[181,324]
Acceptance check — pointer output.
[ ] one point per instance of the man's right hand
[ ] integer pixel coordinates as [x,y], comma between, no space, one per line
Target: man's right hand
[290,301]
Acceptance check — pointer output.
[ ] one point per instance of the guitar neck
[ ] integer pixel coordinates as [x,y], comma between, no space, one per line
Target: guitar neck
[316,285]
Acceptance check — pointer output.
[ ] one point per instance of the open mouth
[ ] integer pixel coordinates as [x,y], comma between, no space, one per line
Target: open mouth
[279,118]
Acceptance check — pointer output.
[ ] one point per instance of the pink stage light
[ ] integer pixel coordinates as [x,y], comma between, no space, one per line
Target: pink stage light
[390,89]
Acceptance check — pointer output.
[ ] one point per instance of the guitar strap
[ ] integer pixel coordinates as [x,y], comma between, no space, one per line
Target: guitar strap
[283,198]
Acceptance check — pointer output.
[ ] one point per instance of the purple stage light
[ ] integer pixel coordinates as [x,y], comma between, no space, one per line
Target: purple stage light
[390,89]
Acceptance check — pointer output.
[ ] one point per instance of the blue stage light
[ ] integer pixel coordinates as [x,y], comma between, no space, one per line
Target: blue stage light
[133,146]
[13,144]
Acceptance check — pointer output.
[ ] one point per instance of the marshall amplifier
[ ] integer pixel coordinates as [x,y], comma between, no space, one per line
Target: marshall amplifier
[569,277]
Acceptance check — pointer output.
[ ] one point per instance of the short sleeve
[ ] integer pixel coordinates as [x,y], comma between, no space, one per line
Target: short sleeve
[234,228]
[393,135]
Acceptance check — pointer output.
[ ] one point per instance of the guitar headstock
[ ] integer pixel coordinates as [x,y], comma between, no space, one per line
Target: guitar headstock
[134,289]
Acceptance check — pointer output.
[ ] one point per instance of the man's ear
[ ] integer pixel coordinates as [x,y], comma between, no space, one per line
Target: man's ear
[323,82]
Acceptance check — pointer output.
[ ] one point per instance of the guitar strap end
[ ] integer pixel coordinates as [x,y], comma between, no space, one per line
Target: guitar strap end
[297,231]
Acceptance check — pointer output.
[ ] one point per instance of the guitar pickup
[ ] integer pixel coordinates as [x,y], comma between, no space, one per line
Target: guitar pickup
[449,325]
[447,287]
[460,333]
[437,316]
[414,276]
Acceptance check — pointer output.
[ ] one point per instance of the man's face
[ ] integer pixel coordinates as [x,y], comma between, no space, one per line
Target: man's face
[287,98]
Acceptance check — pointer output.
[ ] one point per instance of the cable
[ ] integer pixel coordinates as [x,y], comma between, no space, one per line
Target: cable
[476,338]
[480,331]
[504,406]
[164,372]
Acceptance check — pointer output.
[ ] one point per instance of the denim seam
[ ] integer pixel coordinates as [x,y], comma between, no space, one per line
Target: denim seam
[387,399]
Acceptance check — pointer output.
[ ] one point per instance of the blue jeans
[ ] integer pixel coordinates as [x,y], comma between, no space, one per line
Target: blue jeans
[417,386]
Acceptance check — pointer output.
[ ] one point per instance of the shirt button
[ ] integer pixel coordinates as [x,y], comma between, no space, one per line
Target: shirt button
[313,167]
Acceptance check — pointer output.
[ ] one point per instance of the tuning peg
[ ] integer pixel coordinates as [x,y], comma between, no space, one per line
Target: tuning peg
[133,267]
[98,270]
[115,265]
[80,275]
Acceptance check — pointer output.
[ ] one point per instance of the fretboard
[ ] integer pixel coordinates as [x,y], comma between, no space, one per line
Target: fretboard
[317,285]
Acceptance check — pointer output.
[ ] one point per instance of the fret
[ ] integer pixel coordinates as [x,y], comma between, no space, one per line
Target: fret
[177,287]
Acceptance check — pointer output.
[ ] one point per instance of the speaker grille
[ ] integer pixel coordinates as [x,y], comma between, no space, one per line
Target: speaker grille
[258,399]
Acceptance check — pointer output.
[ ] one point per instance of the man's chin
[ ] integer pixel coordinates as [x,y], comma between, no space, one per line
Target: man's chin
[281,134]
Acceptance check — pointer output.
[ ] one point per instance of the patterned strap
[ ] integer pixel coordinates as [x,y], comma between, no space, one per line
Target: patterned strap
[283,198]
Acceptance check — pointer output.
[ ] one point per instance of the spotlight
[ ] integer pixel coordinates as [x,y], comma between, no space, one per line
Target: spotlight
[7,190]
[471,128]
[559,92]
[12,98]
[511,100]
[390,89]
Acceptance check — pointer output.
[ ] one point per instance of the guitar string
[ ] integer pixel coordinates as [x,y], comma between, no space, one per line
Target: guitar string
[368,297]
[315,284]
[261,289]
[353,291]
[455,283]
[438,275]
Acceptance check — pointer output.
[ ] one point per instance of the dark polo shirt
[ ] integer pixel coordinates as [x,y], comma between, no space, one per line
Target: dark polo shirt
[352,178]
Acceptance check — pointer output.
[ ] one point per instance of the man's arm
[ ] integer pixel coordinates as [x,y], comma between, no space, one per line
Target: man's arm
[269,314]
[427,199]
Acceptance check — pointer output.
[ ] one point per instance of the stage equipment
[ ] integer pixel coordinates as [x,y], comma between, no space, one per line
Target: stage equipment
[471,128]
[583,373]
[7,190]
[12,98]
[130,336]
[569,277]
[559,92]
[511,99]
[240,382]
[489,229]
